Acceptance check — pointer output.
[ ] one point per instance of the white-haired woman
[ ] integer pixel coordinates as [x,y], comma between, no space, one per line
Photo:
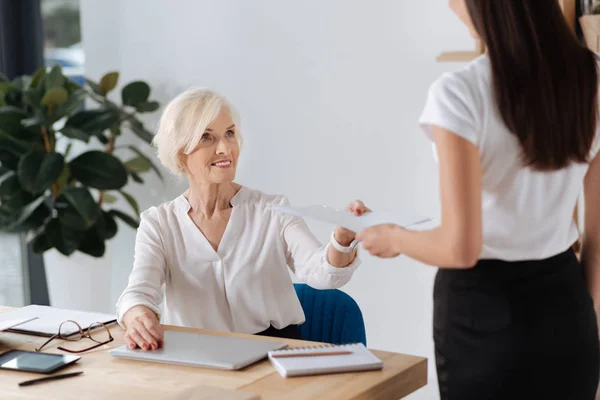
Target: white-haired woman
[220,252]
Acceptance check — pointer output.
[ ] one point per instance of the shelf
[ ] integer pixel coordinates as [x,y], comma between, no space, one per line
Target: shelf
[569,10]
[458,56]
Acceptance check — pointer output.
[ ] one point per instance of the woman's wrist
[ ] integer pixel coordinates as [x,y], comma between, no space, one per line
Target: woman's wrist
[343,240]
[137,311]
[343,245]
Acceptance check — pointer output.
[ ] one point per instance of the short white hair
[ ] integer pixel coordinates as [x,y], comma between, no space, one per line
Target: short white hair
[184,121]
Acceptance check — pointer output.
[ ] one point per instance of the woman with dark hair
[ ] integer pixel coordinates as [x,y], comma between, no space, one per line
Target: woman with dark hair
[515,132]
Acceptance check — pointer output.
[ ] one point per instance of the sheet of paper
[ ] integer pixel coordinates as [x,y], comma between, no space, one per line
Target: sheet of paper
[46,320]
[349,221]
[10,323]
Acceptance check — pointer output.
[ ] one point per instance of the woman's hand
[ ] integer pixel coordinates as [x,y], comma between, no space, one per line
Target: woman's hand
[143,329]
[381,240]
[343,235]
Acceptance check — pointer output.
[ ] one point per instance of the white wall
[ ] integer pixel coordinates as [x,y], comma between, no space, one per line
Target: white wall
[329,93]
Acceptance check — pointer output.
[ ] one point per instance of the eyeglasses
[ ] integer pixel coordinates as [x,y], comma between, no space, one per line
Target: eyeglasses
[71,331]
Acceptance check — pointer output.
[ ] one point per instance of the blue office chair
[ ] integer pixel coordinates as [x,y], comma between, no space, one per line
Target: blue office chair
[332,316]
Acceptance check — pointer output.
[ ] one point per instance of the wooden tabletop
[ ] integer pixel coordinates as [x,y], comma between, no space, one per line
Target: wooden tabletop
[106,377]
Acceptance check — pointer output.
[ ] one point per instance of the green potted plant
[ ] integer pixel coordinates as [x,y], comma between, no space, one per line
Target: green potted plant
[62,199]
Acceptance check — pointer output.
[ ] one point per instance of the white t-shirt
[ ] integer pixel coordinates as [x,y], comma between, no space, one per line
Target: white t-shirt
[527,215]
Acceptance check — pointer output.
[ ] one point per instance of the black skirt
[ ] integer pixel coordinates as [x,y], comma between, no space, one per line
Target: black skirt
[516,330]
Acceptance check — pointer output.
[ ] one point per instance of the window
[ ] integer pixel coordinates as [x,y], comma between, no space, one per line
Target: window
[62,37]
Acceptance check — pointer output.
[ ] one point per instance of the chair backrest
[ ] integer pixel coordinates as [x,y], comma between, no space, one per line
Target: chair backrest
[332,316]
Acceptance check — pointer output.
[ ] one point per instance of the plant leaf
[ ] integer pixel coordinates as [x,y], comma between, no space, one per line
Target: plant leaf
[147,106]
[99,170]
[140,154]
[37,77]
[33,97]
[9,187]
[101,138]
[135,93]
[72,86]
[65,240]
[109,198]
[3,170]
[152,164]
[136,178]
[39,169]
[21,83]
[138,128]
[115,130]
[77,209]
[132,202]
[106,226]
[35,221]
[11,120]
[109,227]
[12,195]
[55,96]
[94,86]
[41,243]
[75,133]
[92,243]
[76,99]
[108,82]
[138,164]
[94,121]
[25,213]
[9,159]
[55,78]
[132,222]
[10,113]
[13,145]
[37,120]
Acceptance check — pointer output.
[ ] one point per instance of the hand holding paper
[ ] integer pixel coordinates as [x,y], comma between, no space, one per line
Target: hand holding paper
[343,235]
[381,240]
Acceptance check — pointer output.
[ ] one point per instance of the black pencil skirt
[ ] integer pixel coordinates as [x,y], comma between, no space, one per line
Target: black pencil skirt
[516,330]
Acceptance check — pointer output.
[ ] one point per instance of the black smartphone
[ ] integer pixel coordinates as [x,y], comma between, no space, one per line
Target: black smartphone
[31,361]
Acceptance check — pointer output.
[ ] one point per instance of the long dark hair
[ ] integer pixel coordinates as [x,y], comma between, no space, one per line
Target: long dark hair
[545,80]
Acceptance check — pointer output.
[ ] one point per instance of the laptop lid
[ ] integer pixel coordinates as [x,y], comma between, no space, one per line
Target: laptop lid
[203,350]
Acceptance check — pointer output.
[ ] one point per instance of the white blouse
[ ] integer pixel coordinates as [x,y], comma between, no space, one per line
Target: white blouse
[245,286]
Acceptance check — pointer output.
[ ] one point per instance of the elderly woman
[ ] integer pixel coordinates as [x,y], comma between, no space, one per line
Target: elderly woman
[220,252]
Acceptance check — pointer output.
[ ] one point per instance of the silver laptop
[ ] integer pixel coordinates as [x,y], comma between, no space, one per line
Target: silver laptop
[203,350]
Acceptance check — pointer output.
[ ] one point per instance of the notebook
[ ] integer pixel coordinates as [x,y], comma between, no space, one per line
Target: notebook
[361,359]
[44,320]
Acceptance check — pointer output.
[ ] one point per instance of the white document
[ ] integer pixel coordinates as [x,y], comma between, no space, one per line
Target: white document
[348,220]
[10,323]
[44,320]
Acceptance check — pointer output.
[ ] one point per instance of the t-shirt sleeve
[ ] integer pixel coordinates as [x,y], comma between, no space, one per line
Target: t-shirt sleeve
[451,105]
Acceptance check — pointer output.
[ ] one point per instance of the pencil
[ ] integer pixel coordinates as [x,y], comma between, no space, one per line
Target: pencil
[50,378]
[314,354]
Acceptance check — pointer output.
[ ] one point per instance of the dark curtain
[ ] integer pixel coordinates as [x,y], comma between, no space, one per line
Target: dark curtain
[21,37]
[22,52]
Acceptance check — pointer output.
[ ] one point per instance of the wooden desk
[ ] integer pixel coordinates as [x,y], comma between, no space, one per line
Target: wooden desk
[106,377]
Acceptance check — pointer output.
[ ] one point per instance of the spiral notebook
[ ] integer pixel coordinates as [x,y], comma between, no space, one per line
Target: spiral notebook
[297,362]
